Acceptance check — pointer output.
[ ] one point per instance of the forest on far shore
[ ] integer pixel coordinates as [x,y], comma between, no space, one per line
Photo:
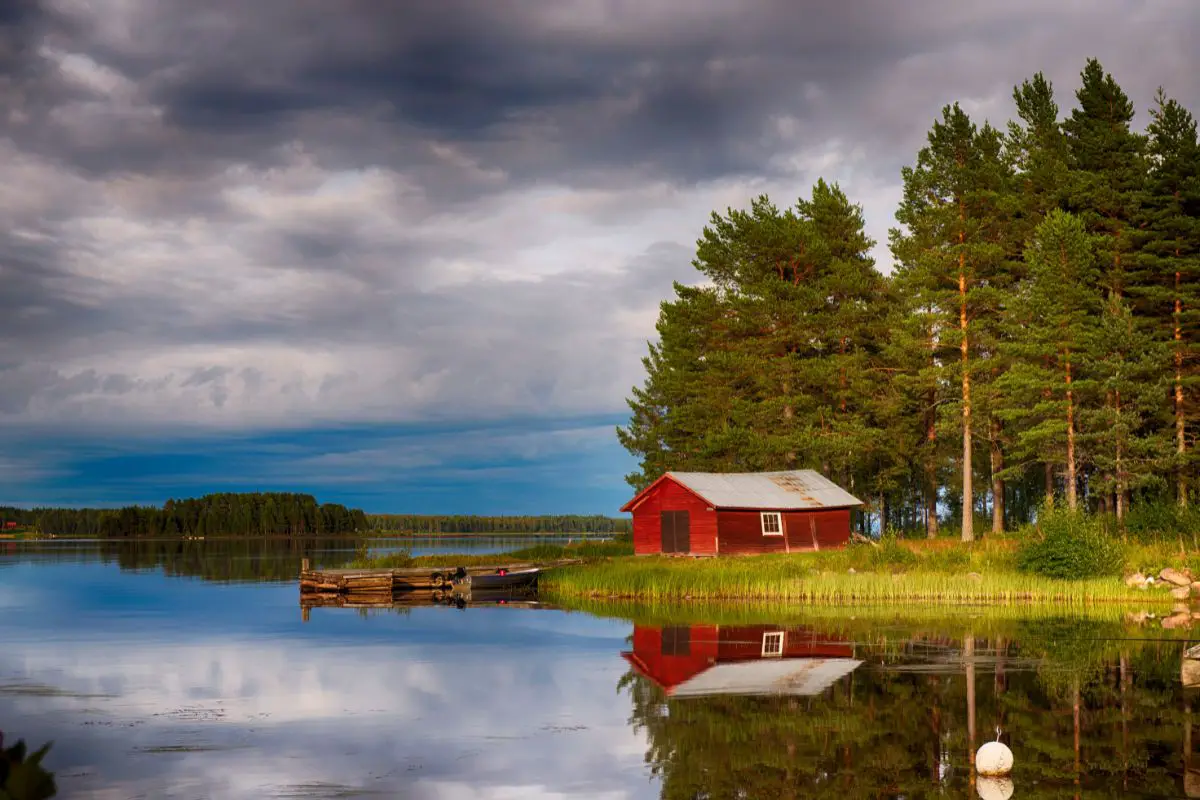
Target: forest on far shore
[224,514]
[1038,338]
[282,514]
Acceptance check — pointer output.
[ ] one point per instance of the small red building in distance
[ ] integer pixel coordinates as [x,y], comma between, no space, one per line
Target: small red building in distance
[704,660]
[713,513]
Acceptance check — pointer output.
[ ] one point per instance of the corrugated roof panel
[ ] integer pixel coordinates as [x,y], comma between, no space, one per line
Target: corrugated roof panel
[794,676]
[795,489]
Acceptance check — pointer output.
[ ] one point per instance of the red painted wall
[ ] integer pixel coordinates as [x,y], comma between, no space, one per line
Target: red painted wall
[668,671]
[740,532]
[745,642]
[712,644]
[670,496]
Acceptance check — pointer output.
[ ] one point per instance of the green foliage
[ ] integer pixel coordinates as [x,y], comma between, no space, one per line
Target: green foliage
[224,514]
[1070,546]
[889,555]
[471,523]
[772,366]
[22,776]
[1047,280]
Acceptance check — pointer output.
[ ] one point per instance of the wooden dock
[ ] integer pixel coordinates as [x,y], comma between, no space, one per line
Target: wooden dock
[410,586]
[398,581]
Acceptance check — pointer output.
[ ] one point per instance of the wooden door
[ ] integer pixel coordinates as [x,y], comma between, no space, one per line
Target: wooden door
[676,532]
[683,532]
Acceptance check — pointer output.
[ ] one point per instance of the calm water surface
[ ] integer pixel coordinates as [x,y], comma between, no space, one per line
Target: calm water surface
[184,670]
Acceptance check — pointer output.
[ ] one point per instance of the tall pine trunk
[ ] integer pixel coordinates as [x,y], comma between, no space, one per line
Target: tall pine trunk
[1120,469]
[1072,499]
[969,656]
[1180,442]
[788,414]
[997,481]
[1048,466]
[968,500]
[931,486]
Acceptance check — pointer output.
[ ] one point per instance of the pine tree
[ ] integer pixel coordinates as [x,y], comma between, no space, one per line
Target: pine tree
[950,252]
[1124,360]
[1107,178]
[1107,169]
[684,404]
[916,389]
[767,368]
[1056,313]
[1037,147]
[1166,286]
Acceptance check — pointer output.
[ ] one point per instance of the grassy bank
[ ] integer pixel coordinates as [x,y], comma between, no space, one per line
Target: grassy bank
[796,578]
[911,572]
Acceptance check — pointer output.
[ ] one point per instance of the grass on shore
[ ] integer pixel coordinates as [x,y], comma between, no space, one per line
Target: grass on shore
[942,571]
[794,578]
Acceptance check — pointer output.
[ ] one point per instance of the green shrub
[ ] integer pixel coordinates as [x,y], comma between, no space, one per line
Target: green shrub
[1158,522]
[22,776]
[1069,545]
[891,555]
[954,559]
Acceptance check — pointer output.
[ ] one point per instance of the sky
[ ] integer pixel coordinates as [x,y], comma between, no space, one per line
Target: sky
[408,256]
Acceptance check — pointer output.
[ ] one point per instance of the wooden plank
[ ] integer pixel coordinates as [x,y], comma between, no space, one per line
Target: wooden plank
[404,580]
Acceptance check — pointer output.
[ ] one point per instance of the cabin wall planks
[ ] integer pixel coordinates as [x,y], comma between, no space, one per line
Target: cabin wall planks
[670,496]
[741,531]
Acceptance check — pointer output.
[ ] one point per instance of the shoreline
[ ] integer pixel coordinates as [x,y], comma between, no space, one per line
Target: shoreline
[942,576]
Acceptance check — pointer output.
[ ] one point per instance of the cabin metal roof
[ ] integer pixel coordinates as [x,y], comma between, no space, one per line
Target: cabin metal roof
[790,490]
[793,676]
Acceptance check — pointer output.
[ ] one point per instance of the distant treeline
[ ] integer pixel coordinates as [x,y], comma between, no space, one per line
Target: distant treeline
[225,514]
[567,523]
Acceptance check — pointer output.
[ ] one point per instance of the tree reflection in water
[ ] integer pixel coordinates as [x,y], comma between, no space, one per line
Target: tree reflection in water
[1086,709]
[22,776]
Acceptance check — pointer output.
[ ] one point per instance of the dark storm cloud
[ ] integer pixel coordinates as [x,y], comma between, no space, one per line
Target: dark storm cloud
[689,94]
[237,200]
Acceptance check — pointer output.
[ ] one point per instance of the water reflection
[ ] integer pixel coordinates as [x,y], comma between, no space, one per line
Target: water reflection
[257,560]
[778,711]
[707,660]
[151,685]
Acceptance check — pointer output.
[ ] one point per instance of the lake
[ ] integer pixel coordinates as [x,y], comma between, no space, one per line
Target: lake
[185,670]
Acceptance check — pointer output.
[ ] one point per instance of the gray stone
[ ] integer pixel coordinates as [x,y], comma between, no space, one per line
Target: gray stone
[1174,576]
[1177,621]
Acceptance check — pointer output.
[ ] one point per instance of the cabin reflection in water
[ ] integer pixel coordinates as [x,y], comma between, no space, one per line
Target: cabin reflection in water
[704,660]
[1089,708]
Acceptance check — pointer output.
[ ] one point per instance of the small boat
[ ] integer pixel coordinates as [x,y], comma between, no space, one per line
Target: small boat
[500,579]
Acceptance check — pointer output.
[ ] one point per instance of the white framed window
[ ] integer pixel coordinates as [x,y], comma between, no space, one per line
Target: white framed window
[772,523]
[773,644]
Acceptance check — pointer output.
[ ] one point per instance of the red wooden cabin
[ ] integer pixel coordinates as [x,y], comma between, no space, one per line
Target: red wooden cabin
[709,513]
[700,660]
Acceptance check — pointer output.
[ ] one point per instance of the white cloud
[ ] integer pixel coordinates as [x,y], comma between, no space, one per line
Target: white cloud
[428,718]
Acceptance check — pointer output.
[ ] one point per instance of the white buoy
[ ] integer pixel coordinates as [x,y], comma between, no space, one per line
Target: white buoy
[994,788]
[994,759]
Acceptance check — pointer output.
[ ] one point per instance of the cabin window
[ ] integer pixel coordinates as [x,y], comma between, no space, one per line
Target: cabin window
[676,640]
[772,644]
[772,523]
